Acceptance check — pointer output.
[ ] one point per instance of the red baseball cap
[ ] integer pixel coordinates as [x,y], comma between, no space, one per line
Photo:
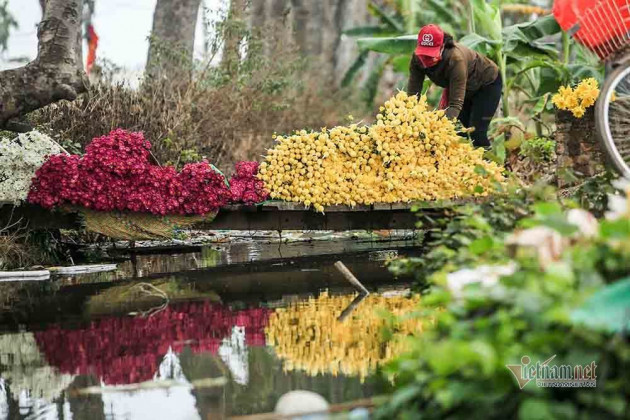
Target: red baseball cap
[430,40]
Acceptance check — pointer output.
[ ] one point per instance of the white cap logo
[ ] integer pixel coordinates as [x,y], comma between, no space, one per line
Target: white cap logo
[427,40]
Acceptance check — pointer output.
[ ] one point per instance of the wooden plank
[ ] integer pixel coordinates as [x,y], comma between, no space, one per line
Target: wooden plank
[11,276]
[37,217]
[272,215]
[310,220]
[83,269]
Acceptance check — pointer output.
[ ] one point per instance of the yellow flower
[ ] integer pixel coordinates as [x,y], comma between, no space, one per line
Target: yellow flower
[579,99]
[578,111]
[366,164]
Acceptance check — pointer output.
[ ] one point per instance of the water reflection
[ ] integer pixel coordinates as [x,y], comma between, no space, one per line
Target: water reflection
[319,336]
[152,262]
[126,350]
[168,365]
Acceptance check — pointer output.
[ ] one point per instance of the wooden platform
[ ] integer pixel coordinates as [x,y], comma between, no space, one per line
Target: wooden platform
[267,216]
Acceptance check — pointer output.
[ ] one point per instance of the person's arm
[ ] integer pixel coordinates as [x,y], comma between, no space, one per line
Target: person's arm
[458,77]
[416,77]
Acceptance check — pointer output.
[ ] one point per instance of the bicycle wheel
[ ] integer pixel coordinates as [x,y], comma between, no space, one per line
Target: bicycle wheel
[612,119]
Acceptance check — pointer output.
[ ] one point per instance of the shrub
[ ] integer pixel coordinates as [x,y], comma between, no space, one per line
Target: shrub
[204,110]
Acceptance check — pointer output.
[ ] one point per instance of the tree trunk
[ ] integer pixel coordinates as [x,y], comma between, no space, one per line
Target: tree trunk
[55,73]
[233,32]
[79,47]
[172,36]
[258,14]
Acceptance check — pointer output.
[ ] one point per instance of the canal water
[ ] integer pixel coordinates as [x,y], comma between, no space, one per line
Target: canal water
[204,330]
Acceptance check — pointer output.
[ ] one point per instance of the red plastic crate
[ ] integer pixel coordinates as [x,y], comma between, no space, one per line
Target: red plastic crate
[602,26]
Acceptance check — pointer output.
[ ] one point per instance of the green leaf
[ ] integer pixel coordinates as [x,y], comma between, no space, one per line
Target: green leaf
[479,43]
[390,45]
[615,229]
[506,122]
[498,148]
[583,71]
[443,13]
[481,245]
[354,68]
[524,39]
[487,19]
[371,85]
[480,170]
[547,208]
[608,309]
[393,22]
[539,28]
[365,31]
[401,64]
[535,409]
[541,104]
[549,81]
[404,395]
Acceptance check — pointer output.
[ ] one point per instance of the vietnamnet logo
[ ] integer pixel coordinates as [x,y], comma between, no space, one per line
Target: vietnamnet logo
[554,376]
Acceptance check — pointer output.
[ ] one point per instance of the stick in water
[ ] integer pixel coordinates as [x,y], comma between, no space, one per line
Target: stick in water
[351,278]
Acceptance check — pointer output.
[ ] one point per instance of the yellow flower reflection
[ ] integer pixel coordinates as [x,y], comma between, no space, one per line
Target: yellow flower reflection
[309,336]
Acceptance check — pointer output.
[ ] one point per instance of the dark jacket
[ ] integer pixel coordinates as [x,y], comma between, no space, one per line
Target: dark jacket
[461,70]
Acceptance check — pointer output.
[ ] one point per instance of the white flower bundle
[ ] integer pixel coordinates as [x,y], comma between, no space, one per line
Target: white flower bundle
[20,158]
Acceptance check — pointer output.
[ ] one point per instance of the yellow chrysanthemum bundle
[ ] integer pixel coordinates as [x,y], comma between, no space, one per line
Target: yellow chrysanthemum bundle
[309,337]
[410,154]
[579,99]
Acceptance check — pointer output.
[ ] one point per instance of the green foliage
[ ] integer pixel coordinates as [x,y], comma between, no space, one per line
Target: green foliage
[457,366]
[607,309]
[539,149]
[592,195]
[460,227]
[7,23]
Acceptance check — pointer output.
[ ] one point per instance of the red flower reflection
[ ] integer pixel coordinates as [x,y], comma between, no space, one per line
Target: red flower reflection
[125,350]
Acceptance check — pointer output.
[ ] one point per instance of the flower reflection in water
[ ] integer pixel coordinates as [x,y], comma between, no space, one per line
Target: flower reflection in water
[309,336]
[127,350]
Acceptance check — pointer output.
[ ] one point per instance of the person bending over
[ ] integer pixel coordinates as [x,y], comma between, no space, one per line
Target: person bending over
[471,81]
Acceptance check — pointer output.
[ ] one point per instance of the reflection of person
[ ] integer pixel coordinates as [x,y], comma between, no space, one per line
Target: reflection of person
[472,81]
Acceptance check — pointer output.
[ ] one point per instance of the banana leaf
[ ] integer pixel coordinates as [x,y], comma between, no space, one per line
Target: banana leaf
[541,104]
[537,29]
[479,43]
[400,63]
[548,81]
[608,309]
[443,13]
[355,68]
[487,19]
[370,89]
[389,45]
[365,31]
[394,22]
[582,71]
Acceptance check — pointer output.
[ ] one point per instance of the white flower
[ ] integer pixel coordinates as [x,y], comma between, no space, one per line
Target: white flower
[622,184]
[586,223]
[484,275]
[618,204]
[19,160]
[617,207]
[549,244]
